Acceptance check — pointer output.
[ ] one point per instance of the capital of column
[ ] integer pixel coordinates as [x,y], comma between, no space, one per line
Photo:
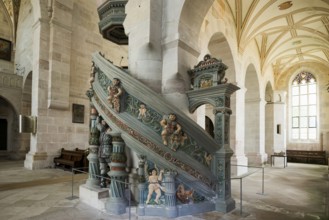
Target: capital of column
[222,110]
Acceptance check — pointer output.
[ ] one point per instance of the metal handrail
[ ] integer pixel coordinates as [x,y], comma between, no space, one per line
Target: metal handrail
[246,175]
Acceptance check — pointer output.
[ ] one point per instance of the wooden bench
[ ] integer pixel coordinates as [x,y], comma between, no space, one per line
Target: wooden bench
[304,156]
[85,161]
[70,158]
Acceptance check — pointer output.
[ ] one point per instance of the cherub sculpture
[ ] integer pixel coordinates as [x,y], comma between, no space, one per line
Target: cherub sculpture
[154,179]
[172,131]
[142,112]
[184,196]
[92,74]
[115,91]
[208,158]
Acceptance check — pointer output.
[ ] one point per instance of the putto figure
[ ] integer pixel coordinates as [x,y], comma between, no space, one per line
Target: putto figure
[115,91]
[154,185]
[142,112]
[92,74]
[184,196]
[171,132]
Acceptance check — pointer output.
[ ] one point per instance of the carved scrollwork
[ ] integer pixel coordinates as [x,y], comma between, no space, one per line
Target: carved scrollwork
[104,81]
[150,117]
[90,93]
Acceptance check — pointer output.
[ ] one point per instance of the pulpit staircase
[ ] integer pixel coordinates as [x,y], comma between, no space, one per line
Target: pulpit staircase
[189,162]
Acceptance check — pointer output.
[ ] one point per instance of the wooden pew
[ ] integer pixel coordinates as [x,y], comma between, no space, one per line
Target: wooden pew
[70,158]
[304,156]
[85,161]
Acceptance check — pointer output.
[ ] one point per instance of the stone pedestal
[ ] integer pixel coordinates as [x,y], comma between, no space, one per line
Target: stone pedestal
[36,160]
[141,205]
[93,178]
[94,197]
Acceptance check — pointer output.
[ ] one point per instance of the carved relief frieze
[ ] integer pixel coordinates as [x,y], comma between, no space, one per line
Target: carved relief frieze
[11,81]
[149,144]
[219,101]
[152,119]
[218,127]
[143,113]
[220,177]
[104,81]
[227,129]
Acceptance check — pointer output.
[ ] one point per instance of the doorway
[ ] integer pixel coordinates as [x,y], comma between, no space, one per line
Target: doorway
[209,127]
[3,134]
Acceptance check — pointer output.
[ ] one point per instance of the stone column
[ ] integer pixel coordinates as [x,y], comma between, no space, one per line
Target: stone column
[93,180]
[145,37]
[37,156]
[239,157]
[221,163]
[170,195]
[117,202]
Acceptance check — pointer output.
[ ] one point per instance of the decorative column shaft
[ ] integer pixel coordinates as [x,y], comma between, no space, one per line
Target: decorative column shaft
[170,195]
[93,180]
[142,185]
[117,202]
[221,163]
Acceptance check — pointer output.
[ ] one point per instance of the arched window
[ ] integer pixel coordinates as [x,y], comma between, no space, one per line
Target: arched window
[304,107]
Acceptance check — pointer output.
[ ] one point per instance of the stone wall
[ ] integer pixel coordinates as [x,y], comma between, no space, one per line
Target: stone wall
[57,49]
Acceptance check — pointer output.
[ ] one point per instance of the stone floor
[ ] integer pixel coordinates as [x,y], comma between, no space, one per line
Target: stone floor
[299,191]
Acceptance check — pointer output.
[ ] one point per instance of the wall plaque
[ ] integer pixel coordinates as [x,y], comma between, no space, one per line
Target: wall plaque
[78,113]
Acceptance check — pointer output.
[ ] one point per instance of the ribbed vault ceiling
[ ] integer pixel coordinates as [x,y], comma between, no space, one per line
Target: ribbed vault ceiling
[12,7]
[286,33]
